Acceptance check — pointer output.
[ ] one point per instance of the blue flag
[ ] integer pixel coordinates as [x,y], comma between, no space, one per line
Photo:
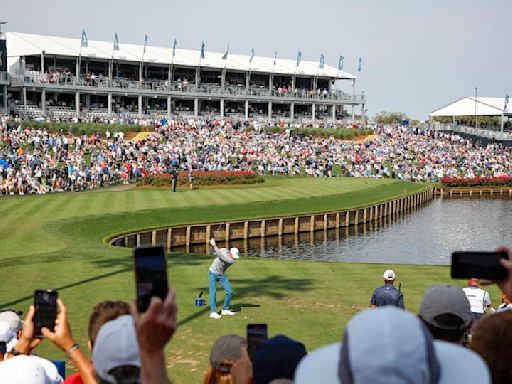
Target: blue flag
[341,62]
[225,56]
[275,58]
[506,102]
[174,47]
[252,55]
[322,60]
[299,57]
[145,42]
[202,50]
[116,42]
[359,65]
[85,41]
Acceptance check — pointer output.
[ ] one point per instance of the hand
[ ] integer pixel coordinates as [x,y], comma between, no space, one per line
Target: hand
[506,285]
[61,336]
[156,327]
[212,242]
[241,371]
[27,342]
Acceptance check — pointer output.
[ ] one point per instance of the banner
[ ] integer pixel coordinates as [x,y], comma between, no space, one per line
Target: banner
[3,56]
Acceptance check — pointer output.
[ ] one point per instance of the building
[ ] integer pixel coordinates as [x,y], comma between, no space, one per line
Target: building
[60,77]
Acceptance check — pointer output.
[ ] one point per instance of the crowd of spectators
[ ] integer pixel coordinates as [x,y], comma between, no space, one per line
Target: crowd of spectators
[379,345]
[37,161]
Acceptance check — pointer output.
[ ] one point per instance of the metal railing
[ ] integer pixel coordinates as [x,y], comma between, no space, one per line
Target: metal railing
[158,85]
[490,133]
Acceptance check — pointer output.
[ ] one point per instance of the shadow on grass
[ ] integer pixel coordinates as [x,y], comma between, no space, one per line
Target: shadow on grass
[70,285]
[243,289]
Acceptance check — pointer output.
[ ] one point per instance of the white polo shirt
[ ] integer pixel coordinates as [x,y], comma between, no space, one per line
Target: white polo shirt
[478,299]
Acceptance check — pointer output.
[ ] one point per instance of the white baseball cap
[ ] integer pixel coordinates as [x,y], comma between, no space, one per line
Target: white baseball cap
[116,345]
[235,253]
[389,274]
[29,370]
[390,345]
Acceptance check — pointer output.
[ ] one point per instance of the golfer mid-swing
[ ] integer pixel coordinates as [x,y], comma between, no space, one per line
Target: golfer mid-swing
[224,258]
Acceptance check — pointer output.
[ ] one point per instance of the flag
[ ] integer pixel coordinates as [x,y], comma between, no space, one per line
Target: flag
[252,55]
[116,42]
[145,43]
[275,58]
[322,60]
[359,65]
[202,50]
[85,41]
[299,57]
[174,47]
[341,62]
[225,56]
[506,103]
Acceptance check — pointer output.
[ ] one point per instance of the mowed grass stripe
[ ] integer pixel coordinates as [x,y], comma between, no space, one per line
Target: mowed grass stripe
[21,212]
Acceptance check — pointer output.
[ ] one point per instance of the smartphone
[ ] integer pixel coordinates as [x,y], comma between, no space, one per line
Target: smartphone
[45,304]
[150,275]
[257,334]
[480,265]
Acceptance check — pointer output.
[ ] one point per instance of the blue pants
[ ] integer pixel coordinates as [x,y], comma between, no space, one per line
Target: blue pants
[212,280]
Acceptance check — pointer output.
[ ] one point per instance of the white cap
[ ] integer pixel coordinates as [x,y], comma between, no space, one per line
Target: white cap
[28,370]
[390,345]
[389,274]
[235,253]
[116,345]
[7,335]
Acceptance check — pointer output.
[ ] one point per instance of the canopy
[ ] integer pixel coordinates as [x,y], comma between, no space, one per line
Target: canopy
[485,106]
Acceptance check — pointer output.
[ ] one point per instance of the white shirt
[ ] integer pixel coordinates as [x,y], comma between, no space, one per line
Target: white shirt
[478,299]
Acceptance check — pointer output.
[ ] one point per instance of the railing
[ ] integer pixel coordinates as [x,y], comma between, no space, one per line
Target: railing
[157,85]
[490,133]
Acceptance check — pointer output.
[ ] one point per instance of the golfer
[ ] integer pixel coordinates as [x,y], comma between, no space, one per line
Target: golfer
[387,294]
[217,272]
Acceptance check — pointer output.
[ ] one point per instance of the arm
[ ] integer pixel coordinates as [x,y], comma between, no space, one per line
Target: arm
[154,330]
[506,285]
[27,343]
[63,339]
[218,253]
[373,301]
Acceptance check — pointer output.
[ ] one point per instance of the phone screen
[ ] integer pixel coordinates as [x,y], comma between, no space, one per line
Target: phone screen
[45,303]
[150,275]
[479,265]
[257,334]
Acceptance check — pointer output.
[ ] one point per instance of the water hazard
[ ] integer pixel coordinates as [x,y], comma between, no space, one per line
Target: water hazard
[426,235]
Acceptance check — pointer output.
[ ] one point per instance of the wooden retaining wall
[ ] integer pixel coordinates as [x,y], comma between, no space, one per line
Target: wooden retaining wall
[224,232]
[452,192]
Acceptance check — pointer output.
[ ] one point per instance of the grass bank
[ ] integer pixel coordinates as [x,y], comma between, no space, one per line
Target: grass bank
[55,241]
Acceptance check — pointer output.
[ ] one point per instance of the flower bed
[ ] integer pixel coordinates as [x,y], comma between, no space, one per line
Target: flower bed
[477,182]
[204,178]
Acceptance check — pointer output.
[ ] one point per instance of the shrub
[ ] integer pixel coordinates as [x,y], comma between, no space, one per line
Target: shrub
[504,181]
[85,128]
[337,133]
[204,178]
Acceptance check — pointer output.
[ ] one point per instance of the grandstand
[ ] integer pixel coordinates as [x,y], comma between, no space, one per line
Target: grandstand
[57,77]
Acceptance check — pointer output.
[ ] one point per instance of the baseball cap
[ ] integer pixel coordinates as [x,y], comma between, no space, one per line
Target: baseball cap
[11,317]
[235,253]
[389,274]
[226,347]
[390,345]
[445,299]
[277,358]
[116,345]
[28,370]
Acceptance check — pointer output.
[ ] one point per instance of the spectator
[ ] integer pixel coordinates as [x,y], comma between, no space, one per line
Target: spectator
[225,352]
[478,299]
[506,304]
[388,345]
[29,370]
[446,312]
[12,318]
[491,339]
[277,358]
[387,294]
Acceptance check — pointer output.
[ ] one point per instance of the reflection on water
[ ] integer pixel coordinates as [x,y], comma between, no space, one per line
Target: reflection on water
[427,235]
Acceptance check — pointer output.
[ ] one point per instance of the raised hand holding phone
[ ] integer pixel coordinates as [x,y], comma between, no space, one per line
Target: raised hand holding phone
[45,305]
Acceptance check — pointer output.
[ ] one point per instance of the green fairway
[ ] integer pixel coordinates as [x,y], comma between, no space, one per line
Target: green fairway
[57,241]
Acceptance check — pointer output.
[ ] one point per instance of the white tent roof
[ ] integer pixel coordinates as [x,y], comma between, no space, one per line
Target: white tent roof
[485,106]
[24,44]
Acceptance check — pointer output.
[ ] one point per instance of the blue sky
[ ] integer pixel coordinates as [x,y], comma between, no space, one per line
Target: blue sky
[417,55]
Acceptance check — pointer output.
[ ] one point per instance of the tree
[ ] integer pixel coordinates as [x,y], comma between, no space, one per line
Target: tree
[384,117]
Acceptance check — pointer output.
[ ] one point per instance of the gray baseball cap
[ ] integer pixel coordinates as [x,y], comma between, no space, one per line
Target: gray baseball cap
[445,299]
